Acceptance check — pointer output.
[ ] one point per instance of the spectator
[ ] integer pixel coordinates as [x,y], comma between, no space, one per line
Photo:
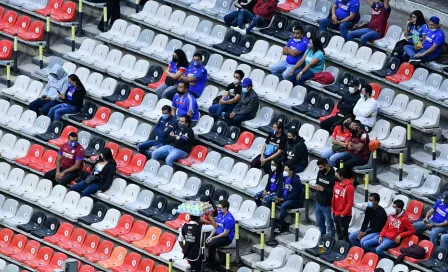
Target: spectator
[176,68]
[205,222]
[196,75]
[189,239]
[345,107]
[312,62]
[228,101]
[166,124]
[223,233]
[113,14]
[293,51]
[231,19]
[431,46]
[247,106]
[397,227]
[325,182]
[414,33]
[344,15]
[261,16]
[290,194]
[57,83]
[436,220]
[269,193]
[272,149]
[377,25]
[178,143]
[366,108]
[358,151]
[339,139]
[374,219]
[184,103]
[71,102]
[296,152]
[69,163]
[101,175]
[342,202]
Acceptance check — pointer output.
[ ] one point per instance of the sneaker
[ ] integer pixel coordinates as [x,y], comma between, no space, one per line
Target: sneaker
[235,28]
[415,61]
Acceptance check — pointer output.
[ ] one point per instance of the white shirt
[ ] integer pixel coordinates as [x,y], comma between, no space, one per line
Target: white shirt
[365,111]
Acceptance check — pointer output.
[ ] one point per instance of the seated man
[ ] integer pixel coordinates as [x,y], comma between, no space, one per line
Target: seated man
[296,152]
[231,18]
[358,151]
[374,220]
[247,106]
[263,12]
[436,220]
[366,108]
[184,103]
[178,143]
[230,97]
[166,124]
[196,76]
[293,51]
[344,14]
[69,162]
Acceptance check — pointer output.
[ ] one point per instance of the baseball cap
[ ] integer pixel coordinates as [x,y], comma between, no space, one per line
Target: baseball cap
[435,20]
[354,83]
[246,82]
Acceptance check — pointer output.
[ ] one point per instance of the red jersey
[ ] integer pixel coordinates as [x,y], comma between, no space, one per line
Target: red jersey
[343,197]
[362,138]
[71,155]
[342,136]
[378,21]
[397,225]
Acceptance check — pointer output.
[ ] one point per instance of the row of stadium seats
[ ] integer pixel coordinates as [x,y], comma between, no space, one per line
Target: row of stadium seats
[58,10]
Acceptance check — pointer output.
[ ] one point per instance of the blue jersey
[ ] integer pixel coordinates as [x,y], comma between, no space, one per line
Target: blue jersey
[345,7]
[200,74]
[226,222]
[434,37]
[185,104]
[440,214]
[300,46]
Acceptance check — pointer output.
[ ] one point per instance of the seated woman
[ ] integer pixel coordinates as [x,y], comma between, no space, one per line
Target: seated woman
[270,191]
[176,68]
[339,139]
[414,33]
[101,175]
[312,62]
[72,101]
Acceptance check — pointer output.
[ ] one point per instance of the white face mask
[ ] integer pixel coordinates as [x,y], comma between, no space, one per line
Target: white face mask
[433,29]
[273,168]
[285,174]
[351,90]
[297,40]
[236,81]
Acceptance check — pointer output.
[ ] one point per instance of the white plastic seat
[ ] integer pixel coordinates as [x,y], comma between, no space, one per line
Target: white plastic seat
[202,31]
[263,117]
[39,126]
[380,130]
[429,119]
[175,21]
[252,179]
[418,79]
[31,93]
[83,208]
[85,50]
[130,35]
[429,187]
[177,182]
[99,54]
[441,161]
[18,151]
[414,179]
[400,268]
[114,123]
[34,5]
[127,129]
[307,7]
[227,70]
[403,198]
[204,125]
[167,53]
[189,26]
[432,84]
[296,97]
[13,115]
[235,201]
[254,149]
[14,179]
[93,83]
[148,104]
[310,172]
[214,63]
[112,60]
[376,62]
[386,265]
[348,52]
[28,185]
[158,45]
[309,240]
[21,83]
[319,151]
[321,11]
[149,171]
[43,190]
[228,78]
[318,140]
[330,69]
[210,162]
[391,38]
[294,263]
[26,121]
[258,51]
[84,138]
[4,171]
[149,10]
[276,259]
[141,134]
[117,30]
[220,9]
[163,176]
[156,113]
[398,105]
[396,139]
[204,5]
[268,87]
[7,142]
[238,172]
[69,203]
[126,64]
[413,111]
[22,216]
[82,73]
[116,189]
[162,16]
[129,195]
[69,67]
[107,88]
[9,209]
[282,92]
[4,106]
[385,98]
[190,188]
[442,93]
[386,196]
[144,39]
[273,55]
[260,219]
[223,169]
[109,221]
[55,198]
[143,201]
[139,70]
[306,131]
[246,210]
[257,76]
[334,45]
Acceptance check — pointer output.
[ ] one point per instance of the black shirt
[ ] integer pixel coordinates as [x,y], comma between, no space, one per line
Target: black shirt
[234,90]
[347,103]
[374,220]
[185,141]
[191,234]
[296,153]
[278,141]
[327,182]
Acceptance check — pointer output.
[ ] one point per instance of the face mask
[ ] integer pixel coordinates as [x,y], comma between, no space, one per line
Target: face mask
[397,212]
[196,64]
[174,59]
[310,46]
[369,204]
[273,168]
[165,116]
[353,131]
[290,141]
[297,40]
[219,211]
[351,90]
[433,29]
[244,90]
[236,81]
[285,174]
[180,93]
[362,96]
[73,144]
[181,125]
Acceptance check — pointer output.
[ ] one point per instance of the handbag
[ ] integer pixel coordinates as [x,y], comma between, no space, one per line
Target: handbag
[90,179]
[337,148]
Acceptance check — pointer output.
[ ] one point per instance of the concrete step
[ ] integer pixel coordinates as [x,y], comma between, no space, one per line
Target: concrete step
[372,188]
[387,179]
[439,148]
[268,249]
[407,167]
[286,239]
[250,259]
[60,49]
[46,59]
[421,157]
[78,41]
[28,69]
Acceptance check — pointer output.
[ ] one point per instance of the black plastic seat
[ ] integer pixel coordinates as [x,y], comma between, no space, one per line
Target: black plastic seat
[204,190]
[337,253]
[230,40]
[218,129]
[390,68]
[157,207]
[96,214]
[49,228]
[328,242]
[230,137]
[53,131]
[87,112]
[244,46]
[323,108]
[121,93]
[293,124]
[219,195]
[309,31]
[286,34]
[324,37]
[153,75]
[36,222]
[278,117]
[278,24]
[438,258]
[311,100]
[341,85]
[205,55]
[95,146]
[169,213]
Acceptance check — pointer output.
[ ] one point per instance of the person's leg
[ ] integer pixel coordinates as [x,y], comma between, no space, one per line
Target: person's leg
[213,245]
[80,186]
[230,19]
[257,198]
[244,16]
[238,119]
[428,57]
[306,76]
[384,246]
[334,159]
[354,241]
[160,89]
[50,175]
[338,225]
[328,219]
[287,70]
[327,154]
[299,168]
[419,227]
[370,244]
[352,35]
[355,161]
[344,28]
[444,241]
[67,178]
[215,110]
[143,146]
[257,21]
[174,155]
[90,190]
[161,152]
[52,111]
[169,92]
[278,69]
[324,24]
[320,219]
[345,223]
[369,36]
[434,237]
[409,51]
[367,238]
[267,200]
[66,110]
[286,205]
[195,266]
[37,104]
[46,108]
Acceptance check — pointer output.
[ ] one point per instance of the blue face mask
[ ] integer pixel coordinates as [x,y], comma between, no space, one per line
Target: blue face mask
[244,90]
[70,85]
[165,116]
[196,64]
[369,204]
[73,144]
[219,211]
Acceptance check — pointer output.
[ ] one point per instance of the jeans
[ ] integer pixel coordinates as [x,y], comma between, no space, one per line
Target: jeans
[145,147]
[421,227]
[231,19]
[213,245]
[217,109]
[266,200]
[354,241]
[373,246]
[237,119]
[351,160]
[281,69]
[343,28]
[410,51]
[86,189]
[42,105]
[286,205]
[65,180]
[335,158]
[323,216]
[170,153]
[57,111]
[444,241]
[245,16]
[165,91]
[342,224]
[306,76]
[366,35]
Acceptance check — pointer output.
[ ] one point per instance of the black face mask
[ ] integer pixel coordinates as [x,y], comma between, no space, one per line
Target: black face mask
[347,125]
[353,131]
[291,141]
[175,59]
[180,93]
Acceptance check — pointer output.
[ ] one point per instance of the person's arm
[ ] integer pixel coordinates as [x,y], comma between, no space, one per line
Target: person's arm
[275,155]
[176,75]
[310,65]
[253,104]
[263,149]
[350,194]
[365,222]
[358,147]
[233,100]
[409,228]
[379,223]
[385,228]
[296,51]
[58,162]
[351,17]
[429,213]
[354,10]
[386,4]
[298,64]
[297,189]
[78,164]
[185,139]
[212,220]
[181,239]
[366,110]
[333,12]
[108,177]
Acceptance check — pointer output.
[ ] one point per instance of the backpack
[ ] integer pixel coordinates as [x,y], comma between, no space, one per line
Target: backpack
[323,78]
[414,251]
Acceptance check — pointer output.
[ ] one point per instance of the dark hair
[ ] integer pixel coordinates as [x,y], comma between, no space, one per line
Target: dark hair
[73,135]
[187,118]
[166,108]
[239,72]
[298,28]
[294,132]
[107,154]
[346,173]
[224,203]
[186,84]
[375,196]
[78,82]
[182,60]
[420,18]
[399,203]
[208,199]
[317,45]
[322,161]
[349,116]
[289,165]
[197,54]
[279,125]
[368,89]
[357,122]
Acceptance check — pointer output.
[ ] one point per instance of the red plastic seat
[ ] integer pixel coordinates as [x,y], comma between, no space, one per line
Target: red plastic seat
[124,225]
[64,136]
[197,155]
[135,166]
[165,244]
[406,242]
[123,157]
[376,90]
[404,73]
[63,234]
[87,268]
[100,118]
[35,32]
[16,247]
[67,13]
[158,83]
[46,163]
[244,142]
[76,239]
[415,210]
[34,153]
[134,99]
[89,246]
[2,10]
[42,258]
[28,253]
[368,263]
[8,19]
[145,265]
[428,246]
[289,5]
[130,263]
[5,50]
[52,7]
[102,253]
[333,113]
[21,26]
[113,148]
[5,237]
[137,232]
[55,263]
[179,221]
[160,268]
[356,254]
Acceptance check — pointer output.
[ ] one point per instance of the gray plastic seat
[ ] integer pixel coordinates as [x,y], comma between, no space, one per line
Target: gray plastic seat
[398,105]
[45,72]
[109,221]
[245,211]
[129,195]
[204,125]
[207,96]
[141,134]
[385,98]
[55,198]
[418,79]
[130,35]
[210,162]
[142,201]
[29,184]
[19,150]
[251,179]
[31,93]
[429,119]
[34,5]
[235,202]
[176,182]
[307,7]
[263,118]
[163,176]
[149,10]
[114,123]
[224,167]
[69,203]
[202,31]
[83,208]
[442,93]
[380,130]
[309,240]
[276,259]
[99,54]
[260,187]
[126,130]
[430,187]
[112,60]
[190,188]
[386,265]
[175,21]
[117,30]
[162,16]
[85,51]
[294,263]
[321,11]
[432,84]
[348,52]
[167,53]
[189,26]
[14,179]
[295,98]
[414,179]
[115,190]
[386,196]
[258,51]
[375,63]
[441,161]
[396,139]
[413,111]
[254,149]
[126,64]
[9,209]
[390,39]
[149,171]
[220,9]
[11,268]
[216,36]
[39,126]
[238,172]
[22,216]
[310,172]
[148,104]
[334,45]
[260,219]
[144,39]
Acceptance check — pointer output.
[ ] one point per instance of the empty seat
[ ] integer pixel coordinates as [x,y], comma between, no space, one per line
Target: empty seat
[396,139]
[259,51]
[338,252]
[43,190]
[309,240]
[14,179]
[109,221]
[83,208]
[254,149]
[390,67]
[305,8]
[429,187]
[189,26]
[262,118]
[414,179]
[321,11]
[190,188]
[245,211]
[259,220]
[429,119]
[272,56]
[327,241]
[224,167]
[114,123]
[157,207]
[89,246]
[9,209]
[28,185]
[22,216]
[165,244]
[142,201]
[69,202]
[296,97]
[391,37]
[252,179]
[413,111]
[116,258]
[117,30]
[127,129]
[404,73]
[348,51]
[96,214]
[238,172]
[276,259]
[55,198]
[417,80]
[398,105]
